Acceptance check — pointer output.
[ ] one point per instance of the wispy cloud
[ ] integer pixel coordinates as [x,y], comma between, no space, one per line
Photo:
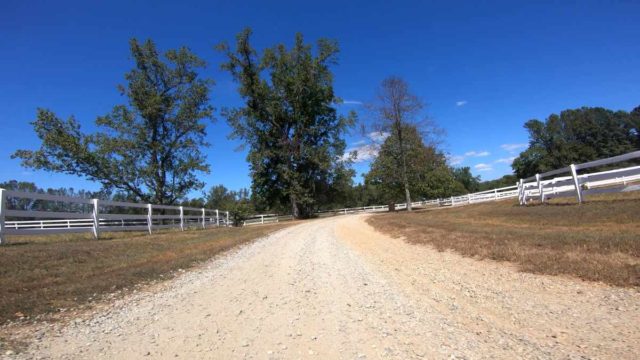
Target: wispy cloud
[513,147]
[477,153]
[378,136]
[507,160]
[483,167]
[461,103]
[459,159]
[352,102]
[455,159]
[365,150]
[361,153]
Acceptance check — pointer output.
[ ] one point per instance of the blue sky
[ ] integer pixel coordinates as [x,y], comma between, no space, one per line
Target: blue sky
[483,67]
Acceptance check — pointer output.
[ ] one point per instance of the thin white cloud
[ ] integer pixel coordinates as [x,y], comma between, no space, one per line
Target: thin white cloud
[483,167]
[477,153]
[461,103]
[378,136]
[455,159]
[507,160]
[361,153]
[459,159]
[513,147]
[365,150]
[352,102]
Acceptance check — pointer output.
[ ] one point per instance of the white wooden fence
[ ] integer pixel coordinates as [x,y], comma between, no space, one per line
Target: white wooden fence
[580,185]
[104,215]
[100,215]
[260,219]
[536,187]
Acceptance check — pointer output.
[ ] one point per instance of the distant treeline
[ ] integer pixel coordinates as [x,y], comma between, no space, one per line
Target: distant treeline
[577,136]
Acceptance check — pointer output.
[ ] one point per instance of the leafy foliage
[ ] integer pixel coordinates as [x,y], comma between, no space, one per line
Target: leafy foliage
[577,136]
[395,110]
[149,149]
[506,180]
[464,176]
[427,173]
[289,120]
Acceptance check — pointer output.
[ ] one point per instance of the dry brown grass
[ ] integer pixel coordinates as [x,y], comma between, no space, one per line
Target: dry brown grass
[596,241]
[43,274]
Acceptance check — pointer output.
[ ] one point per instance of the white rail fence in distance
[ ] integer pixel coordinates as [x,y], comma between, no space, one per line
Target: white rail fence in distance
[96,216]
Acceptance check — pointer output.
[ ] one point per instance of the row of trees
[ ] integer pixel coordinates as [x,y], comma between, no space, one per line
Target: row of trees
[577,136]
[151,148]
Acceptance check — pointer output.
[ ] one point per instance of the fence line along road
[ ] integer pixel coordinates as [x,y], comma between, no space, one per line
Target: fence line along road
[93,215]
[102,215]
[536,188]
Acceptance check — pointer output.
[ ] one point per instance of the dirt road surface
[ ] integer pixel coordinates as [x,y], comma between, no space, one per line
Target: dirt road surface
[336,289]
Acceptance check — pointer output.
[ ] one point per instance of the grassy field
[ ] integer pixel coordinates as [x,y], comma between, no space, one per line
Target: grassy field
[597,241]
[43,274]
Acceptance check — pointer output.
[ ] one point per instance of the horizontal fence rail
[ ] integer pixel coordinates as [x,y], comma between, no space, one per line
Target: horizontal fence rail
[95,216]
[574,184]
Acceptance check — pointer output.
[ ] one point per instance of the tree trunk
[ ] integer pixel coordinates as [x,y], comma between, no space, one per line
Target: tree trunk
[406,185]
[405,179]
[294,207]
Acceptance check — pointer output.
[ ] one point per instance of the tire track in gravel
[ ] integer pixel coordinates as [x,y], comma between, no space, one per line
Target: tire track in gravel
[336,289]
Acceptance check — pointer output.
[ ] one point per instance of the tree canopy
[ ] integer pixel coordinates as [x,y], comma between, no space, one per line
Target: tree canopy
[464,176]
[577,136]
[150,148]
[427,173]
[395,109]
[289,120]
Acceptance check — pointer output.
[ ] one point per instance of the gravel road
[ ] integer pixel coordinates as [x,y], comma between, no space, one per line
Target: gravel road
[336,289]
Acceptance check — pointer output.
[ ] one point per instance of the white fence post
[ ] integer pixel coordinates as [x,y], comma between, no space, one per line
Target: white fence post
[452,202]
[521,192]
[204,224]
[576,183]
[540,190]
[261,219]
[149,217]
[181,218]
[217,218]
[469,199]
[96,218]
[227,218]
[3,208]
[495,194]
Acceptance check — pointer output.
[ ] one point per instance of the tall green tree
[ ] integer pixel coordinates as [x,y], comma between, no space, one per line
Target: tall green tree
[289,120]
[150,148]
[427,173]
[464,176]
[576,136]
[395,109]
